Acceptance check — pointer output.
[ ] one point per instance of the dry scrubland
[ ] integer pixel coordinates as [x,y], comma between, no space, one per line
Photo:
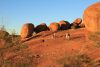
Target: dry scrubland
[48,46]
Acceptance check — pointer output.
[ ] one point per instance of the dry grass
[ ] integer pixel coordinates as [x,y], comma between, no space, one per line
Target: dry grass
[77,60]
[94,37]
[19,54]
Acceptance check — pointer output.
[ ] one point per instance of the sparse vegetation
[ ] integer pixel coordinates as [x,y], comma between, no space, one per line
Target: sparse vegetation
[13,45]
[76,60]
[74,26]
[95,38]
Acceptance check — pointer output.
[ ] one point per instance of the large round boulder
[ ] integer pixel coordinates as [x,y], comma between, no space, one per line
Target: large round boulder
[41,27]
[54,26]
[64,25]
[27,30]
[91,18]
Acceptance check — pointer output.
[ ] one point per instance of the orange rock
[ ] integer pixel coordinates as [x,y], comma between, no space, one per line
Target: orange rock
[64,25]
[91,18]
[27,30]
[74,26]
[54,26]
[78,21]
[41,27]
[82,25]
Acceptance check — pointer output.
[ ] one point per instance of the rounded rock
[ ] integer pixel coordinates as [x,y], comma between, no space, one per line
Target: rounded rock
[64,25]
[41,27]
[54,26]
[91,18]
[27,30]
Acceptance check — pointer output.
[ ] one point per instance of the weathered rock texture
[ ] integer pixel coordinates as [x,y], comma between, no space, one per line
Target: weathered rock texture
[76,23]
[91,18]
[64,25]
[54,26]
[41,27]
[27,30]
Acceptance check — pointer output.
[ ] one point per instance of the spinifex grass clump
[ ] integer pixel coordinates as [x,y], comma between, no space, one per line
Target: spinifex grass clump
[76,60]
[12,47]
[4,35]
[15,48]
[95,37]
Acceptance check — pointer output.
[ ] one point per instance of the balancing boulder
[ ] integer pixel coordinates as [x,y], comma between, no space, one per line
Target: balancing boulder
[76,23]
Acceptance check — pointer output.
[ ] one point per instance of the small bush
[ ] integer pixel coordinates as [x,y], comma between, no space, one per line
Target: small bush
[95,38]
[77,60]
[97,44]
[22,65]
[98,33]
[74,27]
[12,45]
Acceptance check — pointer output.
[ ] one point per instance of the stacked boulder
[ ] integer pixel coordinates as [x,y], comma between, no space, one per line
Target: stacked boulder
[41,27]
[27,30]
[76,23]
[64,25]
[54,27]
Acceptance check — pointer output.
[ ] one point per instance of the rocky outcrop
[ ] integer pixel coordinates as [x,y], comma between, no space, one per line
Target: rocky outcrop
[54,27]
[76,23]
[91,18]
[64,25]
[27,30]
[74,26]
[41,27]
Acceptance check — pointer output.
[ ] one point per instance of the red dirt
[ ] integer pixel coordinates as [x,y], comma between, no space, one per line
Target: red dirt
[50,50]
[47,50]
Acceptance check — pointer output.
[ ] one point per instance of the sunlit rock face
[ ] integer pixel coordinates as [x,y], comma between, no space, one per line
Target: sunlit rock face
[77,21]
[91,18]
[54,27]
[27,30]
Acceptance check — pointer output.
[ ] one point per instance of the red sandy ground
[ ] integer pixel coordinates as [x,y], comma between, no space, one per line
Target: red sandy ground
[52,49]
[48,50]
